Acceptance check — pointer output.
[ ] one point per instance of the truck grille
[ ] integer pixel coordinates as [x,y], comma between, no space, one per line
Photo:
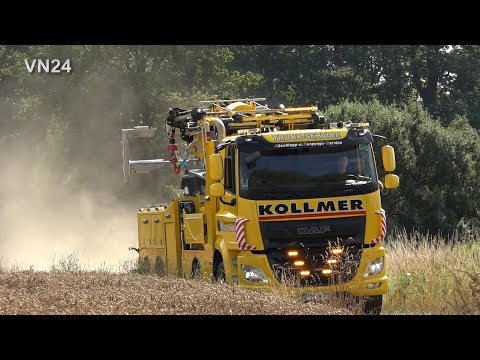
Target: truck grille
[317,244]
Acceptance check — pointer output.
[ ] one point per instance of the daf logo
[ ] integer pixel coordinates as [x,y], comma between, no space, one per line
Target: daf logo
[313,230]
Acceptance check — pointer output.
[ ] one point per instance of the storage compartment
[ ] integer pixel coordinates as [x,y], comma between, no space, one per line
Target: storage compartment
[193,228]
[144,230]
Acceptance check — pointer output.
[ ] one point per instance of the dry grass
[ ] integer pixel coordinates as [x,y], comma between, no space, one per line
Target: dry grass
[428,275]
[433,275]
[77,292]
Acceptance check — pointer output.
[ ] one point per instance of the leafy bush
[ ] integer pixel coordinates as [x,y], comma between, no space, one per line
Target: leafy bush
[438,166]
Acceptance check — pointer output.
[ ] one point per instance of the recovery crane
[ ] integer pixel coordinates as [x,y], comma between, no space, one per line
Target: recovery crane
[270,197]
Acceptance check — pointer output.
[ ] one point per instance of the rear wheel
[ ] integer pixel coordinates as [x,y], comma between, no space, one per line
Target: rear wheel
[159,266]
[196,273]
[219,273]
[373,305]
[144,266]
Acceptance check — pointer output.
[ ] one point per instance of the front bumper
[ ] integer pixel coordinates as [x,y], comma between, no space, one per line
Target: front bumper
[359,285]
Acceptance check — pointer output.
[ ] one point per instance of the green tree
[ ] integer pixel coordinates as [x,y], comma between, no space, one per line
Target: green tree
[438,166]
[444,77]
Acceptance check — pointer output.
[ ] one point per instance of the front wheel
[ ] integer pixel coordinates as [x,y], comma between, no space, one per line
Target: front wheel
[219,273]
[373,305]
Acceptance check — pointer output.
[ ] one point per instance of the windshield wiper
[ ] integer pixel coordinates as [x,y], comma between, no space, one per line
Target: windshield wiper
[358,177]
[356,186]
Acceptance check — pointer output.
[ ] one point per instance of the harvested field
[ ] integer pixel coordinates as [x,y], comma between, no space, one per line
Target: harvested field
[30,292]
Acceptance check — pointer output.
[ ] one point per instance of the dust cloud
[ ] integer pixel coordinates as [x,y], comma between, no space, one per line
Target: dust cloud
[42,223]
[61,185]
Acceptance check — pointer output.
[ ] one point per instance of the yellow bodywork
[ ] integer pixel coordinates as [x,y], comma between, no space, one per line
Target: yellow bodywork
[159,238]
[356,286]
[209,232]
[159,230]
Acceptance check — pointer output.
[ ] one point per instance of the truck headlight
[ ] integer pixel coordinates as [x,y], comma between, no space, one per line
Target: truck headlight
[375,267]
[253,274]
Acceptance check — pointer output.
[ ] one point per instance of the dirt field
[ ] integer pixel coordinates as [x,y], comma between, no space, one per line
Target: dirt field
[30,292]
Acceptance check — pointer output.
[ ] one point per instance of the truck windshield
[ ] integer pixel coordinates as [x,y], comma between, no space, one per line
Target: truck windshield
[307,172]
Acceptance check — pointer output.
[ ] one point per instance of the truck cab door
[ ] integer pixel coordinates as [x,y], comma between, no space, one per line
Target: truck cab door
[228,203]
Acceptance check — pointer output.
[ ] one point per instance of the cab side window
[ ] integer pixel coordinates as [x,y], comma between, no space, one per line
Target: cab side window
[229,169]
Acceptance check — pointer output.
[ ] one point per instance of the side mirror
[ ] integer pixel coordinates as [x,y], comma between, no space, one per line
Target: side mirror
[216,167]
[391,181]
[388,157]
[217,190]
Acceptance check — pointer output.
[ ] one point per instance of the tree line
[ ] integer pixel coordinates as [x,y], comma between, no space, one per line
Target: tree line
[425,99]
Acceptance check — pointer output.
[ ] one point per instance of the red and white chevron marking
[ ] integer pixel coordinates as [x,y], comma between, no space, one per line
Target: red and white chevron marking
[384,227]
[240,231]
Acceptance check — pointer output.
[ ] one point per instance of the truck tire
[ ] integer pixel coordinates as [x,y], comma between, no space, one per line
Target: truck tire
[219,274]
[159,266]
[144,266]
[373,305]
[196,273]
